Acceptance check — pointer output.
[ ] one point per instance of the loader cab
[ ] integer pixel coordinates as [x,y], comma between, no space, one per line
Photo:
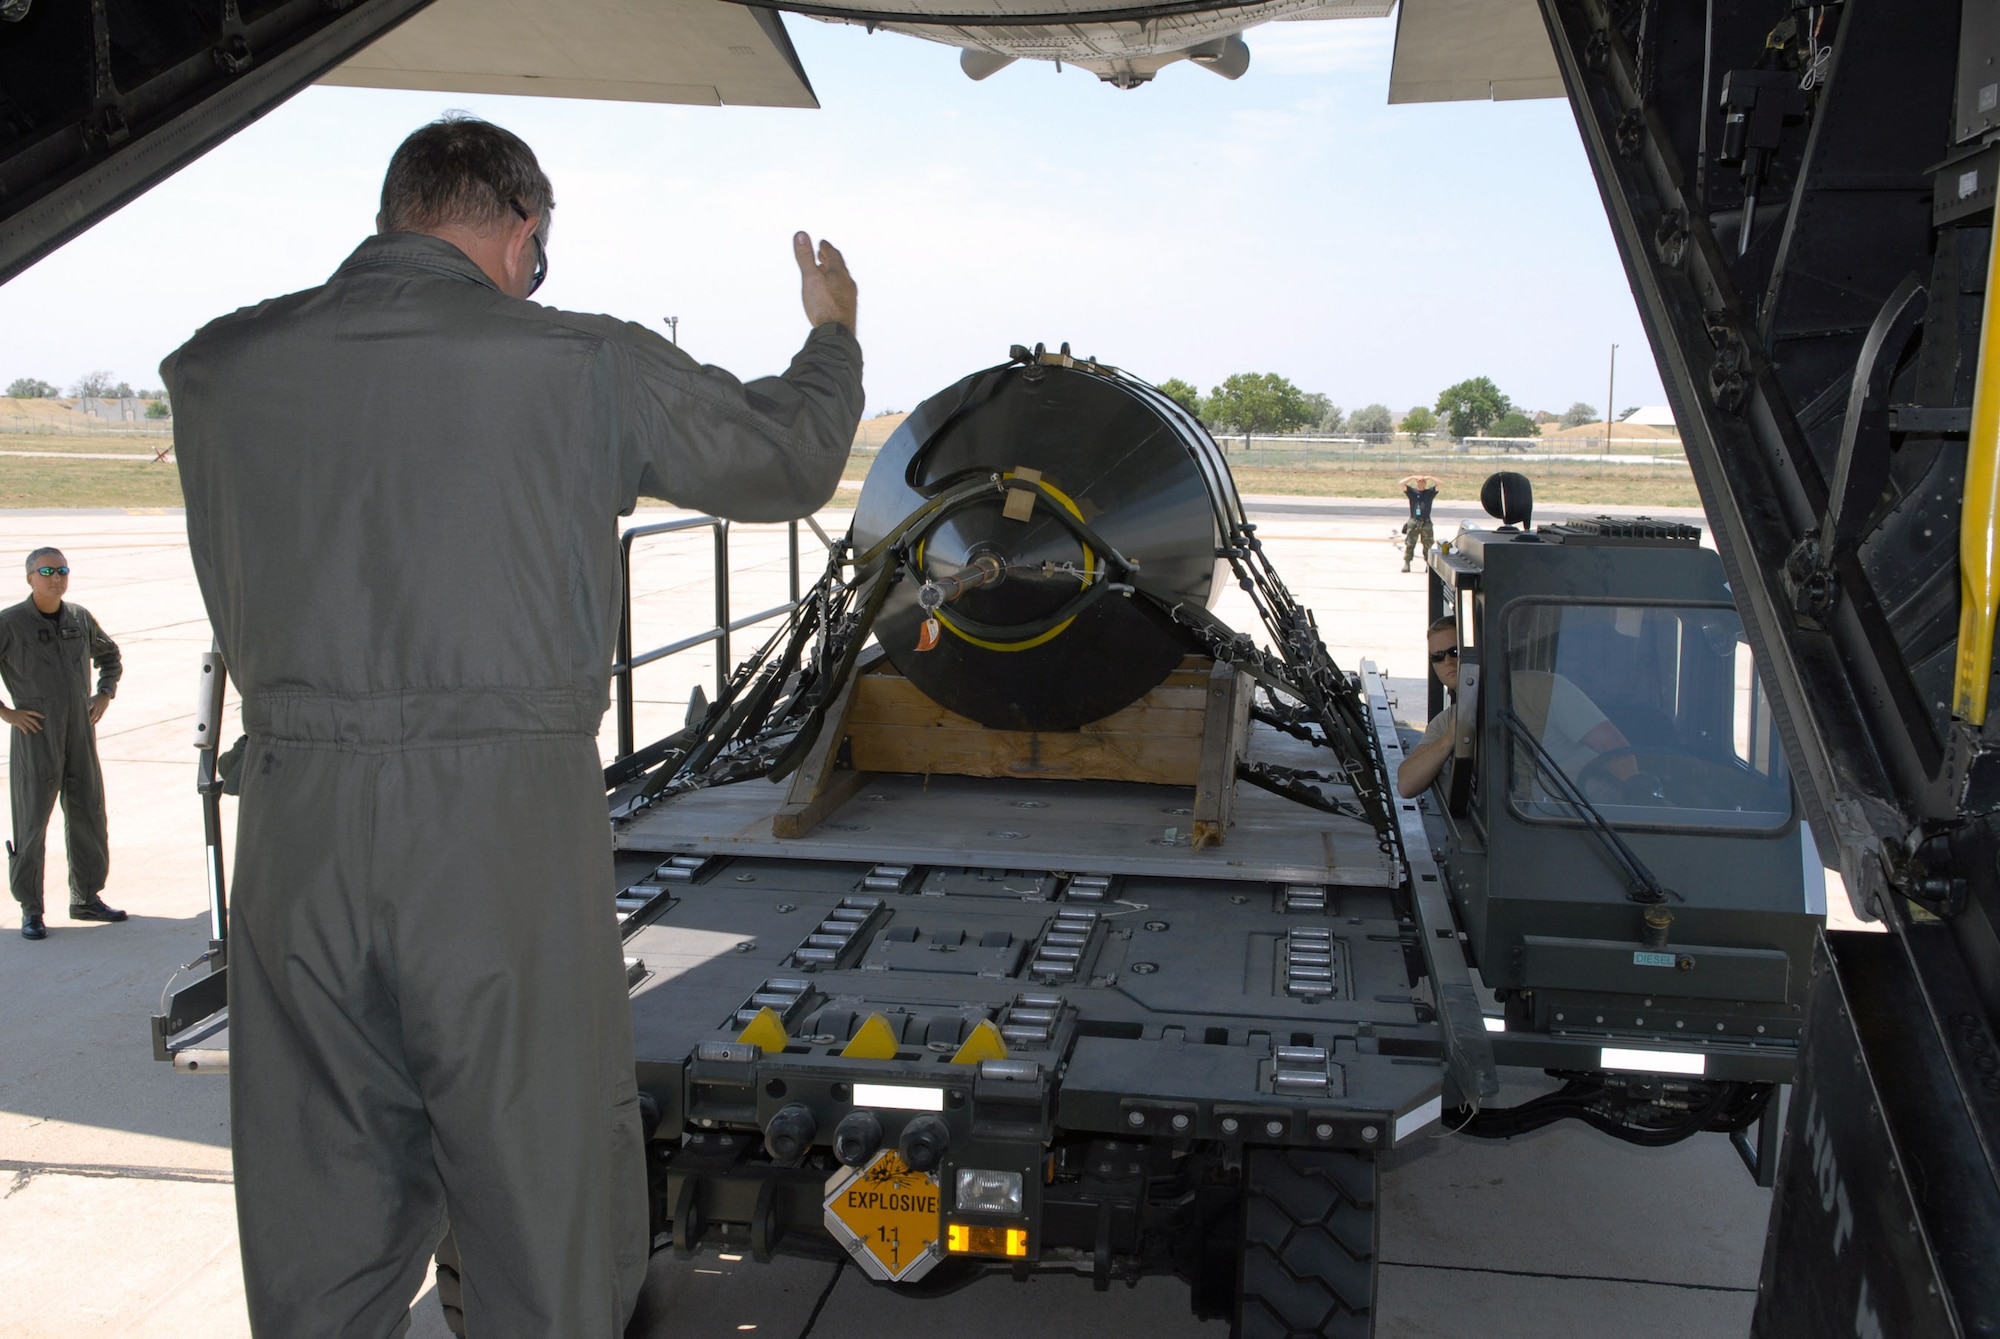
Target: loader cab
[1617,824]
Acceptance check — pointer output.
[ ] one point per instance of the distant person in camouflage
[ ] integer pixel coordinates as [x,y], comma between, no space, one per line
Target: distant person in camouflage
[47,646]
[1422,491]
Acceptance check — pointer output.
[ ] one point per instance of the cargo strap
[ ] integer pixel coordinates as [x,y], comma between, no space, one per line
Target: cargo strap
[775,705]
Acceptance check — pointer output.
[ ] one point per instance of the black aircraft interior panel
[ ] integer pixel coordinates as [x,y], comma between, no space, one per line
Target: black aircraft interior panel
[1803,199]
[102,99]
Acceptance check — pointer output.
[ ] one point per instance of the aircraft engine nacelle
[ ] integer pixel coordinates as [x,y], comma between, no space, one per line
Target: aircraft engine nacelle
[1121,42]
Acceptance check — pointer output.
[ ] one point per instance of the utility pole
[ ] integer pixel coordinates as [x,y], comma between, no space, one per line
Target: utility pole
[1610,386]
[674,329]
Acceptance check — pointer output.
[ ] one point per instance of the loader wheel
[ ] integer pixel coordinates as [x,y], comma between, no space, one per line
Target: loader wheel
[1308,1263]
[450,1287]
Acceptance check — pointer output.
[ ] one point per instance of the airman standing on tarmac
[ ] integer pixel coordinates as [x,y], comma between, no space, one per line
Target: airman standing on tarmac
[47,647]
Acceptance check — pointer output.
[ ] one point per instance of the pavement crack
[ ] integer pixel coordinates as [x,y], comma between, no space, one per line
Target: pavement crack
[825,1296]
[1578,1278]
[162,627]
[149,725]
[24,1172]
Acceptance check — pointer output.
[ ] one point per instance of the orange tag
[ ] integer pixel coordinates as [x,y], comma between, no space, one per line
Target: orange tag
[927,635]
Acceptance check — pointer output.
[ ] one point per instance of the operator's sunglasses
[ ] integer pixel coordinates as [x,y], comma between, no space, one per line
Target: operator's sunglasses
[1439,657]
[53,571]
[541,252]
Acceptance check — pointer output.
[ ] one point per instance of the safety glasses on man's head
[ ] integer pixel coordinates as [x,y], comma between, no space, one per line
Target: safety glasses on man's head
[541,252]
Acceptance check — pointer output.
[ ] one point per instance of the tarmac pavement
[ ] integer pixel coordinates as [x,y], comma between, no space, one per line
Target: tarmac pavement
[116,1172]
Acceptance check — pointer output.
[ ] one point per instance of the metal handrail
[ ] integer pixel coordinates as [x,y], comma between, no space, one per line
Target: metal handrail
[718,632]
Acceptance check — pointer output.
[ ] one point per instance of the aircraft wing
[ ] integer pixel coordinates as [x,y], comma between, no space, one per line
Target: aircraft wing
[1472,50]
[688,51]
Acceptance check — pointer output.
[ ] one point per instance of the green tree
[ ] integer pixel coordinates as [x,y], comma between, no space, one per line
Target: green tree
[1624,414]
[1470,407]
[1182,394]
[1579,414]
[1324,415]
[1252,402]
[1372,420]
[159,409]
[1419,422]
[1514,423]
[30,388]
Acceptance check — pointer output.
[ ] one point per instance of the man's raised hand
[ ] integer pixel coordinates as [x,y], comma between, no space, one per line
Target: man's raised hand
[826,288]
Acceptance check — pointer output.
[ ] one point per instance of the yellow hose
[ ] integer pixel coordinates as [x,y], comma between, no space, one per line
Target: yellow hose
[1978,546]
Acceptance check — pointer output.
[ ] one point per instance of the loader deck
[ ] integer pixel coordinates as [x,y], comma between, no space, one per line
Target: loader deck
[1007,823]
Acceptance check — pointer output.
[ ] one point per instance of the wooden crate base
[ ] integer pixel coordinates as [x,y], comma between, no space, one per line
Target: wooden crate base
[893,727]
[1189,731]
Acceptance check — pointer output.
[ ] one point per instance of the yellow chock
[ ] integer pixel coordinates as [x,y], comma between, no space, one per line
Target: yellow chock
[983,1044]
[873,1040]
[766,1032]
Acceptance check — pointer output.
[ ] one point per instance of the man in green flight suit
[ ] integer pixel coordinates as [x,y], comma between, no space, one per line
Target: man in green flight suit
[403,490]
[47,646]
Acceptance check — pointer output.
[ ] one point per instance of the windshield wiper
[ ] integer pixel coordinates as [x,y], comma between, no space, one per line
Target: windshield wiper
[1640,885]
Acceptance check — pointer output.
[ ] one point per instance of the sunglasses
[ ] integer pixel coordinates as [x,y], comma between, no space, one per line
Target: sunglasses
[1439,657]
[541,252]
[53,571]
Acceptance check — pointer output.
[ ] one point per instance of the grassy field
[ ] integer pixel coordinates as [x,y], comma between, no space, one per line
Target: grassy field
[1572,482]
[87,483]
[1555,481]
[48,480]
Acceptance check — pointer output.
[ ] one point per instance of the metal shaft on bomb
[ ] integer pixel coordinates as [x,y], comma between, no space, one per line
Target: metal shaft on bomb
[937,592]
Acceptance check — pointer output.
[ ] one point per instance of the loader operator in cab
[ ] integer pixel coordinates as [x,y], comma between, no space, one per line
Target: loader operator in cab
[1558,713]
[403,490]
[1425,759]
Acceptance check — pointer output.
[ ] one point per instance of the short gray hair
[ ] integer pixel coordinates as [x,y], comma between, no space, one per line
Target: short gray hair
[462,170]
[42,552]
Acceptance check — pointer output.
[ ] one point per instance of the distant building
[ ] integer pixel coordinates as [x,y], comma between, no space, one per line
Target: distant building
[124,409]
[1653,416]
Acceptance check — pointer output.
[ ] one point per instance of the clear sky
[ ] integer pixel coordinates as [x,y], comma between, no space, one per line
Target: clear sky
[1288,222]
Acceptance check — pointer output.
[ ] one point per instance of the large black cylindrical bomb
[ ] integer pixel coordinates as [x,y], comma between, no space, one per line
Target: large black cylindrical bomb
[1113,454]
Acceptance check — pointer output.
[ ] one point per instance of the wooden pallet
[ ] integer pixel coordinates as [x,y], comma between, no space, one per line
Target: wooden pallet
[1188,731]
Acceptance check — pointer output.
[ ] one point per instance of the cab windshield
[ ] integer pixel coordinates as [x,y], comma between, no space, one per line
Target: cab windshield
[1654,711]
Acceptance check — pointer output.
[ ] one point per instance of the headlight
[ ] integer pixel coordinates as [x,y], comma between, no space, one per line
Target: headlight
[981,1191]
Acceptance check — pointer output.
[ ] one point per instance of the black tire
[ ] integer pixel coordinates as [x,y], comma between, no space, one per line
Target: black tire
[451,1286]
[1309,1235]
